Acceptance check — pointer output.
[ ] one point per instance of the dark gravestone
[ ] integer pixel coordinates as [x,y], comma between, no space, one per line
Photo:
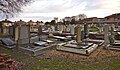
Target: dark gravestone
[86,32]
[0,30]
[12,31]
[7,42]
[40,30]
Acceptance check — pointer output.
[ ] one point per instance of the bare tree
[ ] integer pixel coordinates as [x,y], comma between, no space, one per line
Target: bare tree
[82,16]
[9,8]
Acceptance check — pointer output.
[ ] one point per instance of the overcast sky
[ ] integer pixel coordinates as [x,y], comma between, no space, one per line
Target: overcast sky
[46,10]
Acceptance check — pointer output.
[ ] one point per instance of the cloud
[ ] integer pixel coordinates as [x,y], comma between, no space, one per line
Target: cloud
[47,9]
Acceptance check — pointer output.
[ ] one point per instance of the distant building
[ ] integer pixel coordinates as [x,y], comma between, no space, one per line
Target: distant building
[20,22]
[94,19]
[67,19]
[113,17]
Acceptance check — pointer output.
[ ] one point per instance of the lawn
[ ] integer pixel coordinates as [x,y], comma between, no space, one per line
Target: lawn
[93,29]
[26,62]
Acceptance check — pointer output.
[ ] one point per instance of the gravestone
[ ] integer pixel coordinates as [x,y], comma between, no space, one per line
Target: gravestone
[53,28]
[40,30]
[0,29]
[72,29]
[61,28]
[68,28]
[24,34]
[4,28]
[111,37]
[106,35]
[12,31]
[16,33]
[86,31]
[64,28]
[78,37]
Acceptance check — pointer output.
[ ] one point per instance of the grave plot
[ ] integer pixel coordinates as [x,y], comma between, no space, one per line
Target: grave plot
[32,45]
[81,45]
[109,37]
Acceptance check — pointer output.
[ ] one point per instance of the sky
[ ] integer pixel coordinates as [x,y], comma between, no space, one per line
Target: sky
[46,10]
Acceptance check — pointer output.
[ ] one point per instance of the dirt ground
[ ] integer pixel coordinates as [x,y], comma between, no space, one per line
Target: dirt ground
[99,53]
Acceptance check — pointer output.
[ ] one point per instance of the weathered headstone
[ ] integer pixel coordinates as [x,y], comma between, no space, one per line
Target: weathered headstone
[106,35]
[64,28]
[0,29]
[12,31]
[61,28]
[24,35]
[68,28]
[78,37]
[4,28]
[53,28]
[40,30]
[16,33]
[111,37]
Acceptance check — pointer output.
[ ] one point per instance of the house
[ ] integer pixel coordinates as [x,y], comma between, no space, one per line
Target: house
[4,26]
[113,17]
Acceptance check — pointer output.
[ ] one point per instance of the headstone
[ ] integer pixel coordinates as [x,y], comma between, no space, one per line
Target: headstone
[4,30]
[53,28]
[56,27]
[106,35]
[12,31]
[72,29]
[86,32]
[68,28]
[0,29]
[78,37]
[111,37]
[61,28]
[40,30]
[24,34]
[82,34]
[16,33]
[64,28]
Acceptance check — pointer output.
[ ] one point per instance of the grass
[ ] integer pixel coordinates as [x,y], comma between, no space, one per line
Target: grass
[93,29]
[32,63]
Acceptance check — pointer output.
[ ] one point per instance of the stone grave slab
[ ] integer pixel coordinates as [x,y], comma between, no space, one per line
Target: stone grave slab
[8,43]
[40,43]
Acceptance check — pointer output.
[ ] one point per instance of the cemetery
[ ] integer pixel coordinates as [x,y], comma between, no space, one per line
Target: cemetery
[59,35]
[82,39]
